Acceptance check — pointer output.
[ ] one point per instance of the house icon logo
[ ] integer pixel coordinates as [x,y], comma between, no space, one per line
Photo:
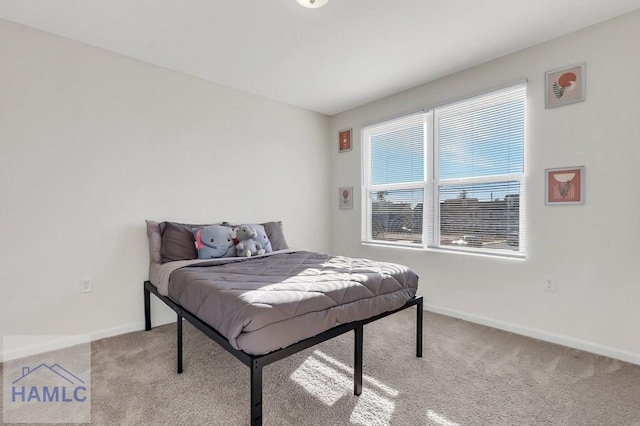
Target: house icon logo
[48,384]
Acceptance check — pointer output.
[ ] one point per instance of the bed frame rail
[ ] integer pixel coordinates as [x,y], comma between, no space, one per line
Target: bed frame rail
[257,362]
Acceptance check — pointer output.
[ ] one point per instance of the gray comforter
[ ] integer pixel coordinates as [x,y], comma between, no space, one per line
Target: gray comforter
[266,303]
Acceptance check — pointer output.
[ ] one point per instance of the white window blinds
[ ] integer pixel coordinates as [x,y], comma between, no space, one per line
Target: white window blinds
[482,136]
[463,161]
[394,176]
[397,151]
[480,179]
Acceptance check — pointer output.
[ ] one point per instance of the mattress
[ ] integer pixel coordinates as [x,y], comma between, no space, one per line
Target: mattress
[269,302]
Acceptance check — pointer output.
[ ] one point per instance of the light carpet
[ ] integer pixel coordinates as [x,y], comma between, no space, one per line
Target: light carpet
[469,375]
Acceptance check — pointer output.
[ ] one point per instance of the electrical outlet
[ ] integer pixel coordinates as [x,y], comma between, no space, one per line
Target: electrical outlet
[550,284]
[86,285]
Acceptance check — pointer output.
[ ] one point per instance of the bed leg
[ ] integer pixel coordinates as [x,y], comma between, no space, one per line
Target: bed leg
[420,308]
[357,360]
[256,393]
[179,327]
[147,309]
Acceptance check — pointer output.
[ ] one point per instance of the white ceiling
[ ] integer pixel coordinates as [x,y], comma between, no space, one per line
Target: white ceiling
[330,59]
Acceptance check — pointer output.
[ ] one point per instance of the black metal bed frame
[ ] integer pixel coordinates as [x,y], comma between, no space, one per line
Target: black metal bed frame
[257,362]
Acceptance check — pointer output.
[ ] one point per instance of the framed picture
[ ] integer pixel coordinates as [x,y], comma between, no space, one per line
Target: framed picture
[346,197]
[565,185]
[344,140]
[564,85]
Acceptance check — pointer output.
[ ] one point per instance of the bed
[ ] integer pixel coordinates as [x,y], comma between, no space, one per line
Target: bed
[266,307]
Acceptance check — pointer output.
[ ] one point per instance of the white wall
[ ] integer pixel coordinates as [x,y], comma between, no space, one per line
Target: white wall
[93,143]
[591,249]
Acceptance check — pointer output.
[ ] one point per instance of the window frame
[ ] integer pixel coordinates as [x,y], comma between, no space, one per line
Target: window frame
[368,187]
[431,183]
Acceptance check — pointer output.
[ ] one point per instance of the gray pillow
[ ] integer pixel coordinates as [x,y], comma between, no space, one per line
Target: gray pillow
[155,241]
[275,235]
[178,242]
[169,241]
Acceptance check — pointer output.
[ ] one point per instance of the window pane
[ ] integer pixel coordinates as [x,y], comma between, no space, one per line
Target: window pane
[397,215]
[474,191]
[486,140]
[398,156]
[482,216]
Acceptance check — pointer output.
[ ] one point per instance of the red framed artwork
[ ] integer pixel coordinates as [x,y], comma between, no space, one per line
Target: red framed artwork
[565,185]
[344,140]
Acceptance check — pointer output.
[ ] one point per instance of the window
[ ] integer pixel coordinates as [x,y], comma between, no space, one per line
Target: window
[449,178]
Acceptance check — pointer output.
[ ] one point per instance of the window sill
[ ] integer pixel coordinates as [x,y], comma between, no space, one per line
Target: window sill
[508,256]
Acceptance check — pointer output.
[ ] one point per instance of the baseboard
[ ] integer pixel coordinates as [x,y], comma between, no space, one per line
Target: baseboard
[539,334]
[68,341]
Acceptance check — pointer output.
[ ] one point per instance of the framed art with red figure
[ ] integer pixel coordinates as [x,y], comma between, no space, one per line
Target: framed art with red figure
[565,185]
[346,197]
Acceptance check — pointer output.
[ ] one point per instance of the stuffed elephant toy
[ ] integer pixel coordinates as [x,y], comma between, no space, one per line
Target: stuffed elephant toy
[247,246]
[214,241]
